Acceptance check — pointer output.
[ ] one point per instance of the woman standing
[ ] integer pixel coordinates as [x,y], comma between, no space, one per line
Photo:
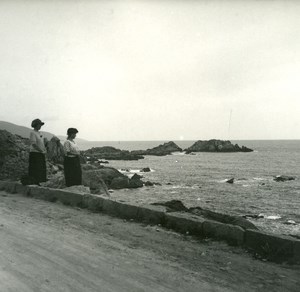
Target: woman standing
[37,153]
[72,166]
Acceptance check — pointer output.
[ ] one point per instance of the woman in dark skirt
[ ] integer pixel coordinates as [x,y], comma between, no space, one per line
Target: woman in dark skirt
[37,153]
[72,168]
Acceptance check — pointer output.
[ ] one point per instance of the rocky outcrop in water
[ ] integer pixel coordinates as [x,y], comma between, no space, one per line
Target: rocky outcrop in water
[216,146]
[161,150]
[109,153]
[282,178]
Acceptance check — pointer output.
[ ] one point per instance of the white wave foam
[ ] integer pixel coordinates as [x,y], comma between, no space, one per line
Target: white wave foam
[273,217]
[178,153]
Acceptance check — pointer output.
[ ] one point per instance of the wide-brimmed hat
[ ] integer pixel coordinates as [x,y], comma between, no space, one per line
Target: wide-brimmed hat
[72,131]
[37,122]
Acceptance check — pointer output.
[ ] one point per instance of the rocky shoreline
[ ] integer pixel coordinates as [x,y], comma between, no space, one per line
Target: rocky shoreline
[99,178]
[107,152]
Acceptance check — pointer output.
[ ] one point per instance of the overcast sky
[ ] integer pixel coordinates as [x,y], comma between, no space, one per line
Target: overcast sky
[152,70]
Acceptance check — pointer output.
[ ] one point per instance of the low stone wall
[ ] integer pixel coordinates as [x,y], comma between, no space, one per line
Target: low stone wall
[268,246]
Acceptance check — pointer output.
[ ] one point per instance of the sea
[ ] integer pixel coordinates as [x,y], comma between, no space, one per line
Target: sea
[200,180]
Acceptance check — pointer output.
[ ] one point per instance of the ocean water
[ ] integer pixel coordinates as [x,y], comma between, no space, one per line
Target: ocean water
[199,180]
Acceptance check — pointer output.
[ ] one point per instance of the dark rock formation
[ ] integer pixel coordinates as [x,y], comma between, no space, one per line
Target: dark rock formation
[107,174]
[124,182]
[145,169]
[149,183]
[216,146]
[136,176]
[230,181]
[135,183]
[282,178]
[94,179]
[55,150]
[224,218]
[109,153]
[173,205]
[120,183]
[176,205]
[161,150]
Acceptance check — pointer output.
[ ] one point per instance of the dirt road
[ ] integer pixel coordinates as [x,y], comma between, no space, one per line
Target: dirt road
[50,247]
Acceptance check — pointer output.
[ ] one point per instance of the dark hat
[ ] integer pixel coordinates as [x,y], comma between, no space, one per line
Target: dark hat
[36,122]
[72,131]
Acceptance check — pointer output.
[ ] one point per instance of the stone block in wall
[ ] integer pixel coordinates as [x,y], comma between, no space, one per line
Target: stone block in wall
[152,214]
[42,193]
[68,198]
[232,234]
[10,187]
[93,202]
[296,251]
[184,223]
[128,211]
[20,189]
[111,207]
[2,185]
[271,246]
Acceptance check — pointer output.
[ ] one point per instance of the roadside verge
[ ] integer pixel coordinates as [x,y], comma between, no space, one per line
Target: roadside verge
[269,246]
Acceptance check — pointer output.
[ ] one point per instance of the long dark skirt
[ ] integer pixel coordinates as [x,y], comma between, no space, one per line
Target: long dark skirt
[37,167]
[72,170]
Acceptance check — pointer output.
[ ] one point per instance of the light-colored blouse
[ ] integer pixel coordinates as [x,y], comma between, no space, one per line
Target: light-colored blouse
[71,148]
[37,138]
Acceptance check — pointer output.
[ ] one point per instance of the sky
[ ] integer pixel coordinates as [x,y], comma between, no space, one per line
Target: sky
[152,70]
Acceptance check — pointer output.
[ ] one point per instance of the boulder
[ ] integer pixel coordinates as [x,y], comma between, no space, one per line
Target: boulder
[120,183]
[230,181]
[56,181]
[107,174]
[136,182]
[136,176]
[281,178]
[96,181]
[125,182]
[215,145]
[55,150]
[149,183]
[145,169]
